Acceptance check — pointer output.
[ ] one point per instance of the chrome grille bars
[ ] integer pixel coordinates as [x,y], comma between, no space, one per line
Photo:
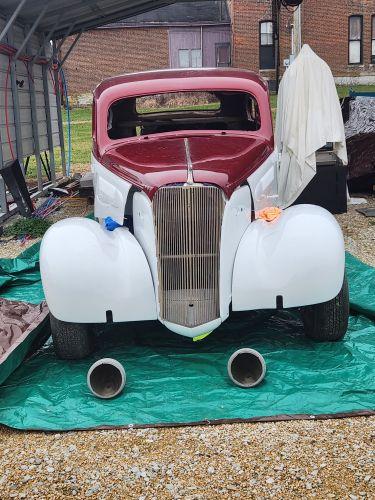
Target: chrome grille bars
[188,227]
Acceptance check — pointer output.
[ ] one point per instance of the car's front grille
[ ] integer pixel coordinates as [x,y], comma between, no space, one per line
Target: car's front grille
[188,227]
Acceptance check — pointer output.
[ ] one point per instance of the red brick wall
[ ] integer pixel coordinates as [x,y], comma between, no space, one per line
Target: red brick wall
[246,16]
[245,29]
[106,52]
[324,28]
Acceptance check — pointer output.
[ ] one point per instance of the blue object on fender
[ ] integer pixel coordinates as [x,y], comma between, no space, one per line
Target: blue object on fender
[111,224]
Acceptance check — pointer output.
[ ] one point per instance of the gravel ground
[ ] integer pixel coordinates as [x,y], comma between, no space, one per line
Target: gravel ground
[359,231]
[331,459]
[295,460]
[73,207]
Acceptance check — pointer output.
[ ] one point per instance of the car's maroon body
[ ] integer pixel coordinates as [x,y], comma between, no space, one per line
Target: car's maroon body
[223,158]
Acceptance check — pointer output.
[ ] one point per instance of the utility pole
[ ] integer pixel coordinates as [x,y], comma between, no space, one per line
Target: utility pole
[297,31]
[276,37]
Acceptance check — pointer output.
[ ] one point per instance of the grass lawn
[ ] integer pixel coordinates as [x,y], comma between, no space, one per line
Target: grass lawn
[81,130]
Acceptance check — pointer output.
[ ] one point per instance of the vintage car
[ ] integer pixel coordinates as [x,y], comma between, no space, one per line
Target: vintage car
[184,167]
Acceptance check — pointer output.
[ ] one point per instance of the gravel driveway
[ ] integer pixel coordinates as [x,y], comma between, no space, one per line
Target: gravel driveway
[294,460]
[331,459]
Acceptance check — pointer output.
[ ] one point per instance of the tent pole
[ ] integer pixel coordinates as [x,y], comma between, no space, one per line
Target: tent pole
[31,31]
[12,19]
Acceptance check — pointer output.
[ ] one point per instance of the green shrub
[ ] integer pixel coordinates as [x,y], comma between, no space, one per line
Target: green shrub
[33,227]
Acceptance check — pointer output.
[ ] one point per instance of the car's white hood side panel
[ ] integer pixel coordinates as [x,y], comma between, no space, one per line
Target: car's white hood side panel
[263,184]
[144,231]
[111,193]
[236,218]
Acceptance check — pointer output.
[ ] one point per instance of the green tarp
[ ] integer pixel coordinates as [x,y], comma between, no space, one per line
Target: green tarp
[172,380]
[20,277]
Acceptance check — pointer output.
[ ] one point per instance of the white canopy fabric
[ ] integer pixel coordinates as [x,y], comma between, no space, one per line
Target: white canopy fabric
[308,116]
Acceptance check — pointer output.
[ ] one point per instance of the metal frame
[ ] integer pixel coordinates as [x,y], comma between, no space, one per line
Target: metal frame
[50,20]
[13,210]
[48,37]
[16,102]
[59,116]
[72,45]
[276,5]
[137,8]
[12,19]
[48,117]
[3,196]
[56,48]
[29,31]
[34,121]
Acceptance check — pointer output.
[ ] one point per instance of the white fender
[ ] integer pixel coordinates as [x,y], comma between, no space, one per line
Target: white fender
[300,256]
[87,271]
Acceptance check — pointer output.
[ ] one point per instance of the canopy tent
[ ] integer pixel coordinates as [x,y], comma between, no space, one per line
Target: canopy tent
[31,123]
[308,117]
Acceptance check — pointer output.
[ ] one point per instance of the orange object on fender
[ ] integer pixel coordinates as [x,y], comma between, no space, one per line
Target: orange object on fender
[269,214]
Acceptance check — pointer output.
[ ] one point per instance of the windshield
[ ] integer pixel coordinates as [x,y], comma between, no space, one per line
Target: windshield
[175,111]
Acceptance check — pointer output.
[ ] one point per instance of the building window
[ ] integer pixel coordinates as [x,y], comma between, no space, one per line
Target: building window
[189,58]
[222,55]
[266,45]
[196,58]
[355,39]
[373,40]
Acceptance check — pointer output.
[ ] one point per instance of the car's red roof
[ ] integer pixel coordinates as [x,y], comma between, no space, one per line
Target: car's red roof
[221,157]
[172,74]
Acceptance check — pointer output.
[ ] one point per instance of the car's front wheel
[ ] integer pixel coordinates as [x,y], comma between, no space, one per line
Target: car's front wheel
[328,321]
[71,340]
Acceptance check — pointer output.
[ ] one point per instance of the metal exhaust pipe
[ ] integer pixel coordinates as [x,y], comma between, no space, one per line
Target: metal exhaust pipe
[246,367]
[106,378]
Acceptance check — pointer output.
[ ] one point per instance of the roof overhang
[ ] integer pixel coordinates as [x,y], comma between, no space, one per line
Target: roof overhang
[59,18]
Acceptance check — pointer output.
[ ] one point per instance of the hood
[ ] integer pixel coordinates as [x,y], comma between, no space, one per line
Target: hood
[225,160]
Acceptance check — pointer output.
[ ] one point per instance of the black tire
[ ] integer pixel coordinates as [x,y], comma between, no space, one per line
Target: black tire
[328,321]
[71,340]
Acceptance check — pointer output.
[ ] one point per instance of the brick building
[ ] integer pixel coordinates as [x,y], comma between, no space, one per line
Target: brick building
[186,34]
[234,32]
[342,32]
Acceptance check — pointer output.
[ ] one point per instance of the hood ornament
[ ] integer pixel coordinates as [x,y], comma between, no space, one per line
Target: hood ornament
[190,178]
